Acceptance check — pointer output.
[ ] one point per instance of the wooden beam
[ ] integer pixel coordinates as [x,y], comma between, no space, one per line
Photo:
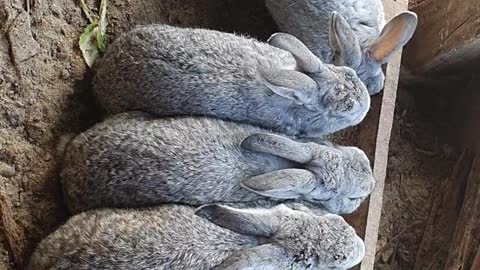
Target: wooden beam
[385,123]
[466,239]
[476,261]
[440,225]
[447,36]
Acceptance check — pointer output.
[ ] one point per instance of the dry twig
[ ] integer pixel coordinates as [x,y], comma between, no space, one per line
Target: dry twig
[13,234]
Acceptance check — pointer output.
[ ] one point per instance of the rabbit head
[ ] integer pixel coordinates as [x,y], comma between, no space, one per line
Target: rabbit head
[368,62]
[336,177]
[331,98]
[346,178]
[289,239]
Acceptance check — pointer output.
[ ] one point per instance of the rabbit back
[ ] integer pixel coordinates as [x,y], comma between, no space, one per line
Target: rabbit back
[309,20]
[162,69]
[167,237]
[133,160]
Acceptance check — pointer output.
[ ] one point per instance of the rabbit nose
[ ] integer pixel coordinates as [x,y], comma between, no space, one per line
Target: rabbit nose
[302,133]
[357,255]
[360,253]
[375,85]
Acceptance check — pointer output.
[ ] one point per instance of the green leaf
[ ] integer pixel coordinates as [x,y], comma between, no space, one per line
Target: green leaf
[88,43]
[92,40]
[100,42]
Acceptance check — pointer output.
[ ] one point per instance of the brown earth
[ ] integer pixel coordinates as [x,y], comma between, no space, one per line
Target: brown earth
[420,161]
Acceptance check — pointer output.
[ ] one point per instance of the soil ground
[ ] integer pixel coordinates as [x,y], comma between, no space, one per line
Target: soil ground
[45,92]
[420,161]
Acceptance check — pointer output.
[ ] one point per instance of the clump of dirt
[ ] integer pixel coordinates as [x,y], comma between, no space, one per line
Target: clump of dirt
[415,3]
[45,92]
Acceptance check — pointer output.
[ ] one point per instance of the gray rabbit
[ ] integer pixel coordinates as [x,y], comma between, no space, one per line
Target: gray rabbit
[346,32]
[171,71]
[174,237]
[133,159]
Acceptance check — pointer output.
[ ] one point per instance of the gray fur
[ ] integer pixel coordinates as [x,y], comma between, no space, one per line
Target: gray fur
[345,32]
[337,177]
[133,159]
[171,71]
[217,237]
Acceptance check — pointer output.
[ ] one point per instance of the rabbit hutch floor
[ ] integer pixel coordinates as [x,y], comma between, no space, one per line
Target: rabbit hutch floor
[45,92]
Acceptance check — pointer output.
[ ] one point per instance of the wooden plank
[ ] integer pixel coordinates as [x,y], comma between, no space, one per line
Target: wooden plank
[465,241]
[445,211]
[476,261]
[451,239]
[447,36]
[385,123]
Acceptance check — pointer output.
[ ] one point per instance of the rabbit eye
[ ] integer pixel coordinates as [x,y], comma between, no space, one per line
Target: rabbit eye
[355,198]
[310,107]
[364,23]
[322,200]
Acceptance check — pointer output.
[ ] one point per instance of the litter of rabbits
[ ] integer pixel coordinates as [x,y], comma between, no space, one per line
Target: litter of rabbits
[48,94]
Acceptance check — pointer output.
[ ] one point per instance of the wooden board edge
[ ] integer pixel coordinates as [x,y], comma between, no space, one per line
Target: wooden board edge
[380,161]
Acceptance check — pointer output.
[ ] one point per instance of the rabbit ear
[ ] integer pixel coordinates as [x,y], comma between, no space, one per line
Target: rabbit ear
[259,222]
[282,184]
[344,42]
[265,257]
[279,146]
[290,84]
[394,36]
[306,60]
